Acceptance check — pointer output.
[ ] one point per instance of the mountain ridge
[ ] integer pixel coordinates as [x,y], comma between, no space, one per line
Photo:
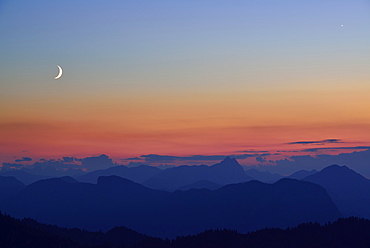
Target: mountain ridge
[226,172]
[349,190]
[115,201]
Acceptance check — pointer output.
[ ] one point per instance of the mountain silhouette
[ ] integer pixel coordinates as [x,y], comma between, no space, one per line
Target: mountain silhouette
[30,233]
[15,233]
[203,184]
[113,201]
[343,233]
[263,176]
[226,172]
[9,186]
[24,177]
[302,174]
[249,206]
[349,190]
[116,201]
[68,179]
[137,174]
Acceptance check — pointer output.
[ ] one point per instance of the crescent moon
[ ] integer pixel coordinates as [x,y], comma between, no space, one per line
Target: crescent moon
[60,72]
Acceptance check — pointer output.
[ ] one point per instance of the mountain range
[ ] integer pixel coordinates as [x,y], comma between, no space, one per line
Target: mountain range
[349,190]
[263,176]
[226,172]
[9,186]
[302,174]
[116,201]
[22,176]
[137,174]
[187,199]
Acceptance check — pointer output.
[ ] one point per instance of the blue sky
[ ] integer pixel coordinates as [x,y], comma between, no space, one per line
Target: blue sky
[181,77]
[166,40]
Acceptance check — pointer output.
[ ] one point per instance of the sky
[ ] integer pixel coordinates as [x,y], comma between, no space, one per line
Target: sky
[184,78]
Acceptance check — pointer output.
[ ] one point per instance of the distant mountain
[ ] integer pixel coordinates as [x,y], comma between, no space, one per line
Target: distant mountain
[249,206]
[68,179]
[159,184]
[116,201]
[302,174]
[113,201]
[226,172]
[203,184]
[24,177]
[349,190]
[263,176]
[9,186]
[137,174]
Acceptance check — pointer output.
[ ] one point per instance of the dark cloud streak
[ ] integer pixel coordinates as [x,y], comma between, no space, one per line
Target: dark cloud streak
[24,159]
[337,148]
[316,142]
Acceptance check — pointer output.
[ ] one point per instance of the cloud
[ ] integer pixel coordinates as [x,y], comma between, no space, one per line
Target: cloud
[337,148]
[252,151]
[165,166]
[134,164]
[69,159]
[155,158]
[316,142]
[131,159]
[358,161]
[54,166]
[260,159]
[50,167]
[97,163]
[23,159]
[7,166]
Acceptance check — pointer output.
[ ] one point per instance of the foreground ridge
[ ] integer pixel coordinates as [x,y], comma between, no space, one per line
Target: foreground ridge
[343,233]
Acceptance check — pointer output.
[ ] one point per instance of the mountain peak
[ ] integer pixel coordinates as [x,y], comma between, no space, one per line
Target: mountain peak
[68,179]
[338,170]
[113,180]
[336,173]
[229,161]
[336,167]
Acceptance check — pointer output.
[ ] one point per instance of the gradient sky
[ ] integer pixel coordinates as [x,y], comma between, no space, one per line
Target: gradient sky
[182,78]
